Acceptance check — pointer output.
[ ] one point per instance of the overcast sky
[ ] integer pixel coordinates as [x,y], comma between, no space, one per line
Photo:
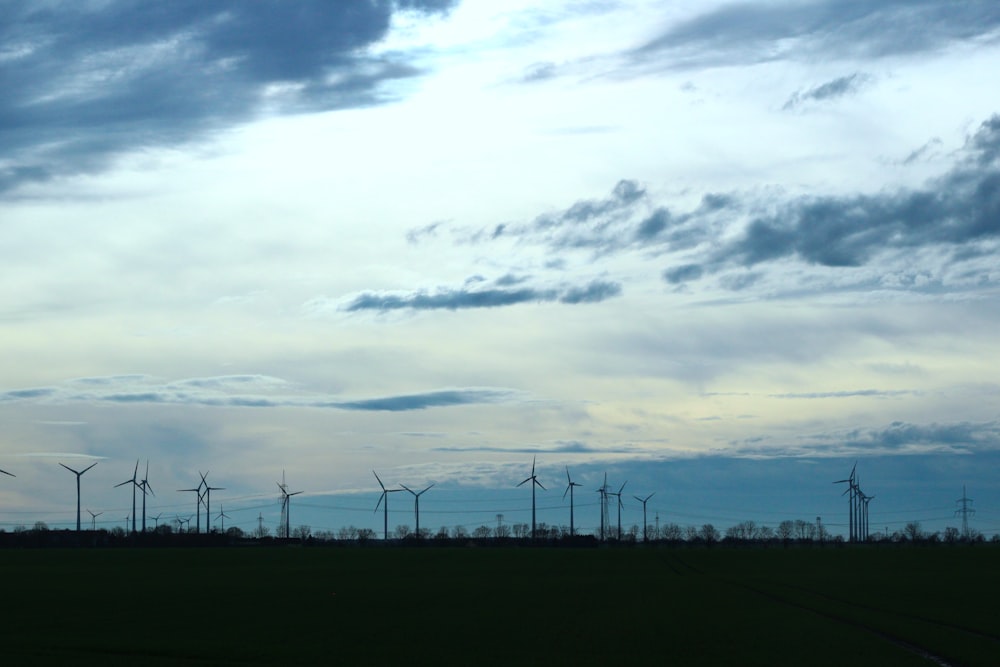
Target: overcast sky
[719,250]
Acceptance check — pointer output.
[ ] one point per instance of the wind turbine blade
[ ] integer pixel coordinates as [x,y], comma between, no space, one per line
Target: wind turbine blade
[407,488]
[379,503]
[379,480]
[7,473]
[539,484]
[533,465]
[427,488]
[136,471]
[568,480]
[622,488]
[525,481]
[127,481]
[566,491]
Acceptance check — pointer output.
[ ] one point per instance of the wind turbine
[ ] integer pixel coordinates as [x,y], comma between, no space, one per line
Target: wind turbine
[285,504]
[604,504]
[146,488]
[569,489]
[644,501]
[79,474]
[135,485]
[156,519]
[385,497]
[534,482]
[207,495]
[416,504]
[850,490]
[93,519]
[198,491]
[620,505]
[222,515]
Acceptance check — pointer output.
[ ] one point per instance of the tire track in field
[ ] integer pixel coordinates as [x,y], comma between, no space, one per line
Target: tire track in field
[915,649]
[901,614]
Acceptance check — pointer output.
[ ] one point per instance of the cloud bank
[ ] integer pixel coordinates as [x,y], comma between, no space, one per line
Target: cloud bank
[86,82]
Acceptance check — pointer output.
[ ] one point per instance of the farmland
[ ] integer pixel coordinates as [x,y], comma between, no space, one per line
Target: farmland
[286,605]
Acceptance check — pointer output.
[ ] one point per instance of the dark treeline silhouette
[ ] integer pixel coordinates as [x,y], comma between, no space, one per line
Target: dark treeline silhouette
[787,534]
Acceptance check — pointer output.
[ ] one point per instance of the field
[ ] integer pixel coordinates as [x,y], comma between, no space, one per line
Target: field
[352,606]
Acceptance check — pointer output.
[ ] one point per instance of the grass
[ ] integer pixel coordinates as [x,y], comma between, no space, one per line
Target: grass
[292,606]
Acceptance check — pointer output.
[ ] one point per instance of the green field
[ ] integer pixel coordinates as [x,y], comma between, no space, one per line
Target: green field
[354,606]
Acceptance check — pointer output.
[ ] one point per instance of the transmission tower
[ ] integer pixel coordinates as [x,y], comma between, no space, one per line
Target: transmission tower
[965,511]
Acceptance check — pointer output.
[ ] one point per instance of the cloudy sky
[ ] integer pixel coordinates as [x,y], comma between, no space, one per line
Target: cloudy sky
[721,250]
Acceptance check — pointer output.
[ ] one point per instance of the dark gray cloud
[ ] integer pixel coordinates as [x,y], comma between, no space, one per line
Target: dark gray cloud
[839,87]
[961,207]
[744,33]
[901,435]
[242,391]
[433,399]
[867,393]
[488,297]
[732,234]
[84,82]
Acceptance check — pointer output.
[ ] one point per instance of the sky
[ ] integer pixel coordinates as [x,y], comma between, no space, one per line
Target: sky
[720,252]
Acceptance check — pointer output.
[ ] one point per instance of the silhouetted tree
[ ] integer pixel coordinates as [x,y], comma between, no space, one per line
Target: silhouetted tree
[302,532]
[786,530]
[912,531]
[501,531]
[708,534]
[952,535]
[403,531]
[672,532]
[482,532]
[442,533]
[459,533]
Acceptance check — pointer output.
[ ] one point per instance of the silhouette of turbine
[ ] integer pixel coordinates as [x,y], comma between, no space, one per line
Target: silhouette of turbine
[851,486]
[93,519]
[146,489]
[603,490]
[222,515]
[135,485]
[620,505]
[569,489]
[416,504]
[207,495]
[156,520]
[198,491]
[534,482]
[644,501]
[385,510]
[285,504]
[79,474]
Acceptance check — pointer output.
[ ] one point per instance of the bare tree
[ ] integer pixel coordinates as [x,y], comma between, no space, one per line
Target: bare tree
[709,534]
[403,531]
[913,532]
[459,533]
[672,532]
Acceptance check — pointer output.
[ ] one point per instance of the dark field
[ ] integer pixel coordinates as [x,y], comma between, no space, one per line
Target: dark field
[288,606]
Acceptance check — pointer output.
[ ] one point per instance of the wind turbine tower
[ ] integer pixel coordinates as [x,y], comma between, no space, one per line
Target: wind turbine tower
[385,508]
[197,490]
[569,489]
[146,489]
[603,490]
[207,495]
[534,482]
[135,485]
[285,505]
[416,504]
[850,492]
[619,496]
[645,537]
[79,474]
